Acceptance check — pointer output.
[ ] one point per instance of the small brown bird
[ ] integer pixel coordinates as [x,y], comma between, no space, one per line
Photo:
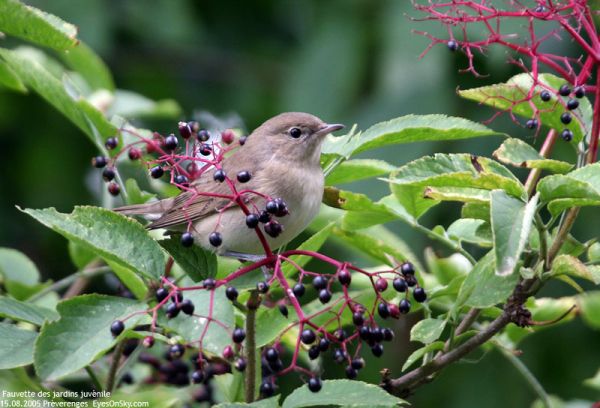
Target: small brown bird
[282,157]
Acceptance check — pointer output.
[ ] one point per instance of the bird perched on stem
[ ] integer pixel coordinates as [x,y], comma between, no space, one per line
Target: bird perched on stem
[281,158]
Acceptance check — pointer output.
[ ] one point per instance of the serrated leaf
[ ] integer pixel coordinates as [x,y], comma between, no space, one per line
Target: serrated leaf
[25,312]
[9,79]
[511,221]
[90,66]
[342,393]
[192,327]
[405,129]
[15,266]
[578,188]
[84,333]
[483,287]
[17,346]
[427,330]
[569,265]
[517,153]
[115,238]
[36,26]
[513,94]
[471,230]
[420,352]
[358,169]
[314,243]
[198,263]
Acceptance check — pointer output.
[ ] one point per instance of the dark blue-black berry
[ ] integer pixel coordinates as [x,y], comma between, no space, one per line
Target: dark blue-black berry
[308,336]
[197,377]
[266,388]
[315,384]
[572,104]
[111,143]
[262,287]
[172,310]
[376,334]
[215,239]
[567,135]
[238,335]
[273,228]
[244,176]
[272,207]
[185,130]
[298,290]
[358,363]
[400,285]
[99,161]
[240,364]
[564,90]
[579,91]
[161,294]
[264,217]
[419,295]
[319,282]
[108,174]
[531,124]
[365,333]
[339,356]
[566,118]
[452,45]
[344,277]
[407,268]
[283,310]
[219,175]
[231,293]
[388,334]
[377,350]
[203,135]
[251,220]
[181,180]
[351,373]
[113,188]
[209,283]
[313,352]
[156,172]
[410,280]
[187,239]
[177,297]
[176,351]
[383,310]
[358,318]
[187,307]
[404,306]
[171,142]
[324,296]
[545,96]
[117,327]
[271,354]
[205,150]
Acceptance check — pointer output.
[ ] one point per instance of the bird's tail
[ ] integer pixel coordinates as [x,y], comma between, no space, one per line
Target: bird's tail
[150,210]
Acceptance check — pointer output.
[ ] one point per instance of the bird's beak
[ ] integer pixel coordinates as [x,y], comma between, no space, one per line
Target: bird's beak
[327,129]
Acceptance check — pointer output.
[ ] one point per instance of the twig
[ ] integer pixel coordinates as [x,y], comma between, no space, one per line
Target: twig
[250,346]
[529,377]
[463,326]
[114,365]
[534,174]
[94,378]
[63,283]
[561,236]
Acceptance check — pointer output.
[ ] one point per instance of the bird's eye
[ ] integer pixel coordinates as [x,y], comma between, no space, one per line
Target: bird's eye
[295,132]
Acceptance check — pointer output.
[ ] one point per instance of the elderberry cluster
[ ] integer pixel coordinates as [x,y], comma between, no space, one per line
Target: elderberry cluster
[572,104]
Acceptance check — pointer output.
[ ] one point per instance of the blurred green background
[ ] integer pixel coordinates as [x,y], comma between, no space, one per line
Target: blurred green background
[348,61]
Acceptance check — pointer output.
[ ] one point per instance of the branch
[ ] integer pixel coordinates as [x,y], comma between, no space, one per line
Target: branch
[250,346]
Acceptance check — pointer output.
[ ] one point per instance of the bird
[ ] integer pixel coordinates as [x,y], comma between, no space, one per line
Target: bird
[282,157]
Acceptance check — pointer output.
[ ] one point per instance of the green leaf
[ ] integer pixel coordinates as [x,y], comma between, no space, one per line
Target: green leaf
[446,269]
[569,265]
[135,195]
[427,330]
[84,333]
[132,105]
[405,129]
[272,323]
[483,287]
[198,263]
[463,195]
[511,223]
[272,402]
[37,77]
[517,153]
[471,230]
[36,26]
[590,309]
[480,211]
[362,212]
[578,188]
[594,382]
[9,79]
[358,169]
[25,312]
[17,346]
[90,66]
[80,255]
[514,94]
[449,170]
[420,352]
[113,237]
[314,243]
[344,393]
[191,327]
[15,266]
[593,253]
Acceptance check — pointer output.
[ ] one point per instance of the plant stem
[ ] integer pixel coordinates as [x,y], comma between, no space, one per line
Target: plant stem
[65,282]
[114,365]
[534,174]
[449,243]
[529,377]
[94,378]
[250,346]
[561,236]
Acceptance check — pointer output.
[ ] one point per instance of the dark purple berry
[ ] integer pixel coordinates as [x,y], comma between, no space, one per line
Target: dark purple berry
[177,297]
[272,207]
[572,104]
[404,306]
[407,269]
[251,220]
[203,135]
[377,350]
[324,344]
[197,377]
[243,140]
[240,364]
[381,285]
[219,175]
[244,176]
[531,124]
[566,118]
[388,334]
[156,172]
[238,335]
[215,239]
[117,327]
[161,294]
[176,351]
[351,373]
[111,143]
[209,283]
[376,334]
[452,45]
[340,334]
[410,280]
[564,90]
[358,363]
[113,188]
[264,217]
[383,310]
[181,180]
[308,336]
[273,228]
[271,354]
[262,287]
[187,307]
[344,277]
[298,290]
[313,352]
[134,153]
[99,162]
[185,130]
[315,384]
[545,96]
[358,318]
[231,293]
[579,91]
[127,378]
[319,282]
[400,285]
[324,296]
[205,150]
[187,239]
[339,356]
[108,174]
[365,333]
[419,295]
[172,310]
[171,142]
[283,310]
[266,388]
[567,135]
